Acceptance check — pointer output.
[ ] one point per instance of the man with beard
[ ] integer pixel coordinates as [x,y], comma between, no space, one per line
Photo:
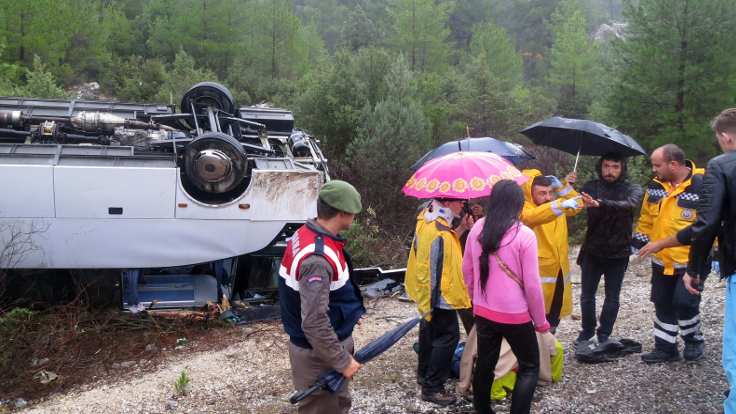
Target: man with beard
[664,229]
[612,201]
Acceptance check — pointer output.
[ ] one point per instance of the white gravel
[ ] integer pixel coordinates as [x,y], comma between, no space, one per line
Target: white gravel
[252,375]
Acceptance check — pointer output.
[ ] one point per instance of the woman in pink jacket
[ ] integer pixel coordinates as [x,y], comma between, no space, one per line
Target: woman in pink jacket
[502,275]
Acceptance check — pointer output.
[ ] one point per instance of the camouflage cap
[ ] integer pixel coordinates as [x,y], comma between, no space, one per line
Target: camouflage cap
[342,196]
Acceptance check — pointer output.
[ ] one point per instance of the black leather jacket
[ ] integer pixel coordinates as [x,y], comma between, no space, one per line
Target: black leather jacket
[716,218]
[610,226]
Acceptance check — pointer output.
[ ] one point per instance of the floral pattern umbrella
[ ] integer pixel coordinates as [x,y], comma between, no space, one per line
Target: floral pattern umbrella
[461,175]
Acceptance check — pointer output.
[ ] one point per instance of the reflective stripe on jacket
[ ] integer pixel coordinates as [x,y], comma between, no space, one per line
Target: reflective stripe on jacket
[419,268]
[549,223]
[665,211]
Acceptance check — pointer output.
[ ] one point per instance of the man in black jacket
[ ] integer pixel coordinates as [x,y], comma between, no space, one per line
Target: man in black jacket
[716,214]
[612,201]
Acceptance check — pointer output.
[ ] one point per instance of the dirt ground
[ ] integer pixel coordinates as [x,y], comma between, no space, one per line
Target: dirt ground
[247,371]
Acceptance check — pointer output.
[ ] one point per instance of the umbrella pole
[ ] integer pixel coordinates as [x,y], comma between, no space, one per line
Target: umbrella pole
[575,169]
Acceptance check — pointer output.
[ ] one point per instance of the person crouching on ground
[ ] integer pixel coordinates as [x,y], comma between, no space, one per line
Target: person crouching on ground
[434,280]
[501,272]
[320,303]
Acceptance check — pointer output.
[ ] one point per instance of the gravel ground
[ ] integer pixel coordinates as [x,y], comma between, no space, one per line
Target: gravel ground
[252,375]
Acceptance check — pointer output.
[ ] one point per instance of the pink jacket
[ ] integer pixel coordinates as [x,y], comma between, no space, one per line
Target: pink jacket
[504,301]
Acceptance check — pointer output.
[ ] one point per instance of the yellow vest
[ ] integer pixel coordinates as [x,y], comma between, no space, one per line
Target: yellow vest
[549,224]
[417,281]
[665,211]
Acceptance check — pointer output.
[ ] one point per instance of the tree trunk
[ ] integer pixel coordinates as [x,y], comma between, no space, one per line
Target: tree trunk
[273,41]
[680,102]
[205,32]
[413,35]
[22,28]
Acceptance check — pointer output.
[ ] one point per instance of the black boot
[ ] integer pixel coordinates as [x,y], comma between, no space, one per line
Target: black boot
[441,398]
[658,356]
[693,351]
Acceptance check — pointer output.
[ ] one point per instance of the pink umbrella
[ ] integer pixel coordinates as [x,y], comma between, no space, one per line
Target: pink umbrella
[462,175]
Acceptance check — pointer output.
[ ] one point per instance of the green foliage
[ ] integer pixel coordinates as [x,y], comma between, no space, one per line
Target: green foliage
[40,83]
[380,82]
[332,102]
[182,384]
[362,237]
[180,77]
[528,23]
[573,59]
[675,72]
[443,98]
[498,103]
[136,79]
[13,325]
[493,44]
[421,33]
[392,135]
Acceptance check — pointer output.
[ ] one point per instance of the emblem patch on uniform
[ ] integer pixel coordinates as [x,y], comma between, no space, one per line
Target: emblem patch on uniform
[687,213]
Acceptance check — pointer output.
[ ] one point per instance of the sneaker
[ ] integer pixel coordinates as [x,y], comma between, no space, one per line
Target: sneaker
[693,351]
[440,398]
[658,356]
[602,339]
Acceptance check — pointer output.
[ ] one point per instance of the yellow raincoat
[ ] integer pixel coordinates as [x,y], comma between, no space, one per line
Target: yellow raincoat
[549,223]
[665,211]
[418,278]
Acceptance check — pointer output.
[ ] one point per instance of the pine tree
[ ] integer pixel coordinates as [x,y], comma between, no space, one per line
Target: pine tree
[498,102]
[676,71]
[573,59]
[393,134]
[421,33]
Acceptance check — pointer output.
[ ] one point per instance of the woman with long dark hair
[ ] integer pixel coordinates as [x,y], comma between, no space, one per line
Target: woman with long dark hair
[501,271]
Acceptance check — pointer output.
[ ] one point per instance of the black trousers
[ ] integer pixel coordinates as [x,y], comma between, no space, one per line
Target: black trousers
[593,268]
[677,311]
[437,342]
[553,317]
[523,342]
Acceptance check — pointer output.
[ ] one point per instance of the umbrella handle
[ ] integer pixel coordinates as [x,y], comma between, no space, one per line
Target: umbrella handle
[299,396]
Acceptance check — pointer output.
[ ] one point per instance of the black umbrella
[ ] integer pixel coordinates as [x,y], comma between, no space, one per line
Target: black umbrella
[514,153]
[333,380]
[582,137]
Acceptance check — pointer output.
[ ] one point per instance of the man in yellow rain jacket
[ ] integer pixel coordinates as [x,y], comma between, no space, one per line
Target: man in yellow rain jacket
[434,280]
[548,203]
[664,230]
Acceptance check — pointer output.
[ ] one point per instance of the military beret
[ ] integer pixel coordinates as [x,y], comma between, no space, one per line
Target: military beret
[342,196]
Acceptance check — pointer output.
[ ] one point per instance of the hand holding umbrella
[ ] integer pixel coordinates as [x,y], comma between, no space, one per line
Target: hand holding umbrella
[333,380]
[589,201]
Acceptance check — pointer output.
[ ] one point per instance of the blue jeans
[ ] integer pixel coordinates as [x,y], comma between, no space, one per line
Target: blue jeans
[729,344]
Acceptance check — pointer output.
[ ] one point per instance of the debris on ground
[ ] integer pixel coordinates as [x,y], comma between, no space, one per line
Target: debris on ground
[384,287]
[45,377]
[171,405]
[248,371]
[181,343]
[36,362]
